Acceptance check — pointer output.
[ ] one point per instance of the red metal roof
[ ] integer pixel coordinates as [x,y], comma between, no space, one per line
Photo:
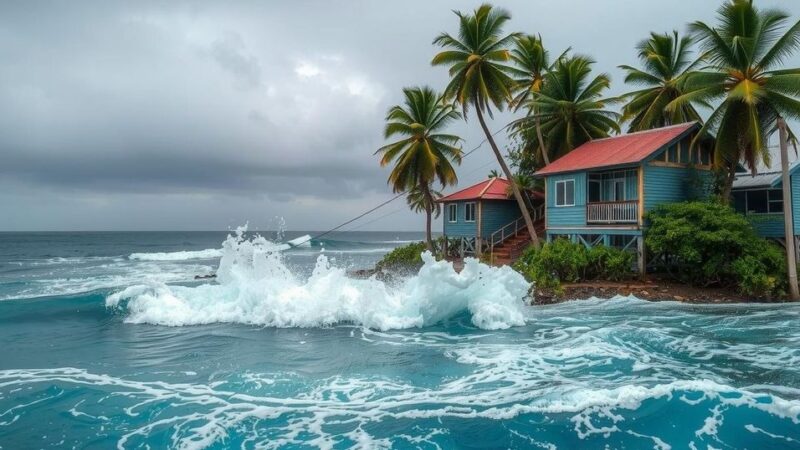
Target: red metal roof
[618,150]
[491,189]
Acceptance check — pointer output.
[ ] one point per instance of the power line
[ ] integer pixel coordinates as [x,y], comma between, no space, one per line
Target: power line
[396,196]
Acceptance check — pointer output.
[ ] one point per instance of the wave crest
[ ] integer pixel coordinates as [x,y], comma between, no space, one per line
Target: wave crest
[254,286]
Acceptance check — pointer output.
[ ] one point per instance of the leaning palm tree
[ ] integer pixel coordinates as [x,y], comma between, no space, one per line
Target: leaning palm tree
[531,64]
[666,62]
[424,154]
[479,76]
[742,74]
[571,107]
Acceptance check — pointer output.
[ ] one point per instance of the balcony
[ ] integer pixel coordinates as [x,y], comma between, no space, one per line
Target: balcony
[624,212]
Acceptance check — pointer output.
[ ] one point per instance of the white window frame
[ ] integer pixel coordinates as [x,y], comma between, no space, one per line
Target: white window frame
[474,211]
[564,183]
[452,213]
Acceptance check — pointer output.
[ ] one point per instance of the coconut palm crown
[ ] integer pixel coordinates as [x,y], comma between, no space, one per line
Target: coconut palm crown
[424,154]
[571,105]
[478,59]
[743,76]
[666,61]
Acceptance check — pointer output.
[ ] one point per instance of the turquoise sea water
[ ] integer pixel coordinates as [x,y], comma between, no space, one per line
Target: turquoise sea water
[107,341]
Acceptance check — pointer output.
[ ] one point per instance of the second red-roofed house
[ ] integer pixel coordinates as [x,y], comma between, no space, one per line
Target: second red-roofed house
[599,192]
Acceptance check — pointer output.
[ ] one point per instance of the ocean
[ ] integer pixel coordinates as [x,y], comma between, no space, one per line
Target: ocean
[108,340]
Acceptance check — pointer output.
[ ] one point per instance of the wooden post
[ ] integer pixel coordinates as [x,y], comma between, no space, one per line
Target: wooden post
[479,224]
[641,195]
[788,228]
[641,256]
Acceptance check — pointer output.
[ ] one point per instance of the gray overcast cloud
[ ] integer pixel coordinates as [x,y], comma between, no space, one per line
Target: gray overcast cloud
[205,115]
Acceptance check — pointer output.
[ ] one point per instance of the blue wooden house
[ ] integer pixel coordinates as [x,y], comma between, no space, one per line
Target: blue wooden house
[760,198]
[483,216]
[599,192]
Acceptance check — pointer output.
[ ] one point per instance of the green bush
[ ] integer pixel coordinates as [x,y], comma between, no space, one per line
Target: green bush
[407,257]
[609,263]
[563,261]
[709,244]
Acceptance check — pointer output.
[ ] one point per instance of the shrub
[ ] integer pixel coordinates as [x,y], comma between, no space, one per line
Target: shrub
[609,263]
[564,261]
[708,243]
[407,257]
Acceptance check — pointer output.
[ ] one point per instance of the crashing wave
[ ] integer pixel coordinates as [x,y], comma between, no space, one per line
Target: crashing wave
[254,286]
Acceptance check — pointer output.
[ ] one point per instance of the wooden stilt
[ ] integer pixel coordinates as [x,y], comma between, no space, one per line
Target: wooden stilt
[641,256]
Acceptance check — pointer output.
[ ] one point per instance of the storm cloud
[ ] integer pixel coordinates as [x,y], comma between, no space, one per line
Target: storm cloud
[203,115]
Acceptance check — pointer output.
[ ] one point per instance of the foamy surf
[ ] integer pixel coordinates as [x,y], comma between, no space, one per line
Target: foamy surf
[212,253]
[209,253]
[254,286]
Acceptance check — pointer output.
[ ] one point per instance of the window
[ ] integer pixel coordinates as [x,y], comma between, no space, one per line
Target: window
[594,191]
[469,212]
[565,193]
[775,201]
[672,154]
[763,201]
[452,212]
[684,146]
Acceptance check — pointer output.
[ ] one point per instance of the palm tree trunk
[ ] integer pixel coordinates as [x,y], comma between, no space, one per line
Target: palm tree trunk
[788,228]
[428,215]
[542,148]
[728,186]
[517,194]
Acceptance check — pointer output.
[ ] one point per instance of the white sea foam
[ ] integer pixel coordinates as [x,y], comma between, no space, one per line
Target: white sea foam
[254,286]
[209,253]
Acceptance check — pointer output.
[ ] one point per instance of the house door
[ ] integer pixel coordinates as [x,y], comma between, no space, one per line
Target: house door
[619,190]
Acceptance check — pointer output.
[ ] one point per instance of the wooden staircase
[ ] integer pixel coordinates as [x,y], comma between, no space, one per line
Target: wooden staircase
[507,251]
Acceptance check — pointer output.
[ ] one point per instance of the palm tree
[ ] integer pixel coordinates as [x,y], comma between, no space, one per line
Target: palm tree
[742,55]
[479,76]
[424,154]
[419,201]
[571,107]
[531,64]
[666,63]
[493,173]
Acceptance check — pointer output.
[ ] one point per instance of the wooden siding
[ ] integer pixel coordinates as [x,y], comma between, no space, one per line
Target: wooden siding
[460,228]
[767,225]
[497,214]
[567,215]
[672,184]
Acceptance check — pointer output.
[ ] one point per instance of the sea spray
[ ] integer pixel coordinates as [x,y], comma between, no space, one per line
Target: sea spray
[254,286]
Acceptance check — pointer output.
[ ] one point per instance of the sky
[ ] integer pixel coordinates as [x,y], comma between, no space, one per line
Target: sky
[208,115]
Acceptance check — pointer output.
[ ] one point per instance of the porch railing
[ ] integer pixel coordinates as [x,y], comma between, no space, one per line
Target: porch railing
[613,212]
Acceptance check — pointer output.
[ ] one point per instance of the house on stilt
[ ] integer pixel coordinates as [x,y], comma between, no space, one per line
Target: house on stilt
[600,192]
[485,219]
[759,198]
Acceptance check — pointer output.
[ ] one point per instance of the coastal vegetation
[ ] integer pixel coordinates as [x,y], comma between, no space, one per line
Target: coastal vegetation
[563,261]
[406,258]
[709,244]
